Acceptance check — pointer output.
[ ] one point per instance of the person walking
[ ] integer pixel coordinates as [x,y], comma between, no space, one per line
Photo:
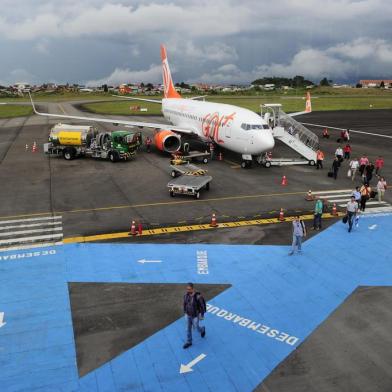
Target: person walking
[354,165]
[325,133]
[318,213]
[335,167]
[299,231]
[320,158]
[339,154]
[369,172]
[148,143]
[381,188]
[363,161]
[347,151]
[351,211]
[379,164]
[194,309]
[357,195]
[365,195]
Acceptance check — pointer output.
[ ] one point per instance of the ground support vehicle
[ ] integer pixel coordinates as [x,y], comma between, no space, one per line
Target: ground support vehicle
[72,141]
[186,169]
[192,155]
[189,185]
[268,162]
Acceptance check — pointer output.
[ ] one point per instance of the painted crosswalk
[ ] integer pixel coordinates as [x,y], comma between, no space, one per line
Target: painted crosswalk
[342,196]
[31,232]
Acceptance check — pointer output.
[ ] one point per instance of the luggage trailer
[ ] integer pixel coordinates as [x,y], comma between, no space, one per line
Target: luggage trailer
[189,185]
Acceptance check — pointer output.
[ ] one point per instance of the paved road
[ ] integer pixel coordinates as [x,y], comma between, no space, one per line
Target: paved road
[95,197]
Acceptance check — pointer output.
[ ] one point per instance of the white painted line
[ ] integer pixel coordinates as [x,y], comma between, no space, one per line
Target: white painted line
[57,222]
[31,219]
[377,210]
[31,246]
[372,227]
[351,130]
[30,239]
[328,192]
[369,203]
[331,197]
[340,200]
[7,234]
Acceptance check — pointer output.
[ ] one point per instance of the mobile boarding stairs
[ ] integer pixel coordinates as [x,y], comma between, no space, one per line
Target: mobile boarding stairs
[291,133]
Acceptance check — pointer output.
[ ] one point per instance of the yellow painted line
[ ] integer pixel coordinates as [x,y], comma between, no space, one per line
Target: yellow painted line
[183,229]
[157,204]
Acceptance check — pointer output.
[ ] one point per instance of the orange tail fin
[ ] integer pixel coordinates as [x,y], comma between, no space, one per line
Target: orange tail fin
[308,105]
[168,87]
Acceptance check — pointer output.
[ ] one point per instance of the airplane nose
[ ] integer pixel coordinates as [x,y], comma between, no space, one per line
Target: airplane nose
[269,142]
[266,141]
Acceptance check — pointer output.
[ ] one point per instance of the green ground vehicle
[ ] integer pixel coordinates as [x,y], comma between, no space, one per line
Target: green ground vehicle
[72,141]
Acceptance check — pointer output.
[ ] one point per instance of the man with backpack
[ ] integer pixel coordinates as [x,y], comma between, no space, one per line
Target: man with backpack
[194,309]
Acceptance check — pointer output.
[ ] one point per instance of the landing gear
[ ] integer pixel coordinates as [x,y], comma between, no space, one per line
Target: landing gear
[246,161]
[246,164]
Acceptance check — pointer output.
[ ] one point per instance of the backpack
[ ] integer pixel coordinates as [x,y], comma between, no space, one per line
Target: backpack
[200,303]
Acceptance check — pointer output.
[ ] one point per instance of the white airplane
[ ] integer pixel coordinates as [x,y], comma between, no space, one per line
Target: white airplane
[231,127]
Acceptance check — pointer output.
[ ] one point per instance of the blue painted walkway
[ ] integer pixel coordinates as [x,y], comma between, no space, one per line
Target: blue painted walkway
[274,303]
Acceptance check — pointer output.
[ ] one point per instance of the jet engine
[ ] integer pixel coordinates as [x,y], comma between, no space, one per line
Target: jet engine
[167,141]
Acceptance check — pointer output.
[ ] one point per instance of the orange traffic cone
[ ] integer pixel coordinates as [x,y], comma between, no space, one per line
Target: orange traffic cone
[281,215]
[213,221]
[284,181]
[334,210]
[140,229]
[132,230]
[309,196]
[220,157]
[34,149]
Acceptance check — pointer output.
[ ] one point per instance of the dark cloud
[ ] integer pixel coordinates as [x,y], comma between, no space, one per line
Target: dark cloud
[222,41]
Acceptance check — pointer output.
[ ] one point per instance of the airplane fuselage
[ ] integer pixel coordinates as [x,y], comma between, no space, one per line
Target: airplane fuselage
[234,128]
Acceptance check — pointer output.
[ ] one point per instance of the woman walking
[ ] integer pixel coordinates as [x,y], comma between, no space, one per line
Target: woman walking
[365,195]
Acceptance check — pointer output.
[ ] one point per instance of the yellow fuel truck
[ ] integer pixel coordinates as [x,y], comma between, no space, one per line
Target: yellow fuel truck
[72,141]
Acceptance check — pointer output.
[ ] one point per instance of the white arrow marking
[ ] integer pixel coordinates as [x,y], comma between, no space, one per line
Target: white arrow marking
[188,368]
[142,261]
[1,319]
[372,227]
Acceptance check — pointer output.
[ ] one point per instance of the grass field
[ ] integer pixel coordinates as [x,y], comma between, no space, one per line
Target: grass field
[290,104]
[7,111]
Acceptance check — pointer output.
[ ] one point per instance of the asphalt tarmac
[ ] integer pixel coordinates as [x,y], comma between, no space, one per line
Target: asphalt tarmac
[95,197]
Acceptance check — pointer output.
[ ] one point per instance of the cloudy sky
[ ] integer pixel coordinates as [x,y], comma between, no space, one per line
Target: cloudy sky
[220,41]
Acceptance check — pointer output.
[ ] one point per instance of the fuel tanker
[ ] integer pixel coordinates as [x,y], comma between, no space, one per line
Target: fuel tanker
[72,141]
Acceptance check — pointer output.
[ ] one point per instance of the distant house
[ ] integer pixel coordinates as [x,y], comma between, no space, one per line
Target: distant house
[124,89]
[371,83]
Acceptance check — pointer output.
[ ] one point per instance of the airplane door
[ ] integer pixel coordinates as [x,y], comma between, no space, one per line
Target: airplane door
[228,131]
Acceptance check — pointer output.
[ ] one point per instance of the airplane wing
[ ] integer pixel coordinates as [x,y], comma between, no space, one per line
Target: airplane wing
[139,124]
[139,99]
[308,107]
[152,100]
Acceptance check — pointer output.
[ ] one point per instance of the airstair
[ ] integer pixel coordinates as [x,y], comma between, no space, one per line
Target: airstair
[291,133]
